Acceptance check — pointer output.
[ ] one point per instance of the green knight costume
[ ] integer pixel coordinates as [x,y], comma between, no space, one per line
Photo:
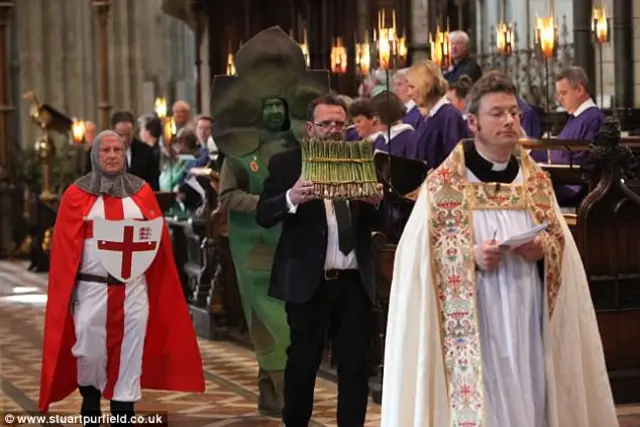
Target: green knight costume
[257,113]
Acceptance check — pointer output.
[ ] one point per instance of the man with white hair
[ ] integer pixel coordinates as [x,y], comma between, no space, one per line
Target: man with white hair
[116,319]
[461,62]
[413,116]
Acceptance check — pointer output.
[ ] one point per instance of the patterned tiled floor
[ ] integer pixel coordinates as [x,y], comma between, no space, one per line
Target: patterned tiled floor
[230,397]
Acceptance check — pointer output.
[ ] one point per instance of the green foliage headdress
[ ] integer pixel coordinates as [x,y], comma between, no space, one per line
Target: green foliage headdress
[269,65]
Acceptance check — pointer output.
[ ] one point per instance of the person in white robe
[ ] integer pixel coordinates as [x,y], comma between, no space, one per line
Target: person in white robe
[480,335]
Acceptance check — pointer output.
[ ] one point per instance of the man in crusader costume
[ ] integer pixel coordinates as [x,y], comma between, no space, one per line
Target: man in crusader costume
[116,319]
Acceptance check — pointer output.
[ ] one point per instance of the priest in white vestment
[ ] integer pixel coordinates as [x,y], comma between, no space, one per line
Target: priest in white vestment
[480,335]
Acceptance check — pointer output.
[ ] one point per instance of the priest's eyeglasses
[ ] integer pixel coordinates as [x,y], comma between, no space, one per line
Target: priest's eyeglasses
[326,124]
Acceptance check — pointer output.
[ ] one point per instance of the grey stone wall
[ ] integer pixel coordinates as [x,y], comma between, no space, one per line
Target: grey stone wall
[150,54]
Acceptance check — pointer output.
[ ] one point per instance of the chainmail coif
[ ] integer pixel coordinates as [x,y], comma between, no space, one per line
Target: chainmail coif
[98,182]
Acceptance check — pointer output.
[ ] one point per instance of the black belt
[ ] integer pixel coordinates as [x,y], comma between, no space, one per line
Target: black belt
[336,274]
[109,280]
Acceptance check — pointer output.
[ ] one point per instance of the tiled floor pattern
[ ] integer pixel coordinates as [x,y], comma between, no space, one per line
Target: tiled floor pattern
[230,371]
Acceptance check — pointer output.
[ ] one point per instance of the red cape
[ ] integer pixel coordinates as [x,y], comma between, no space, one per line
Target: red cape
[171,358]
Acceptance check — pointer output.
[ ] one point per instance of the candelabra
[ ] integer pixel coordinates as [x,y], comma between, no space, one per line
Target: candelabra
[546,42]
[363,56]
[504,42]
[441,47]
[338,56]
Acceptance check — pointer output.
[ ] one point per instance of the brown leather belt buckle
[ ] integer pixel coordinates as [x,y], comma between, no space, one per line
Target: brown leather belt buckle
[331,274]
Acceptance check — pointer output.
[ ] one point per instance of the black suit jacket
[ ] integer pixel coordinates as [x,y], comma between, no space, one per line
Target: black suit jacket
[298,266]
[468,66]
[145,164]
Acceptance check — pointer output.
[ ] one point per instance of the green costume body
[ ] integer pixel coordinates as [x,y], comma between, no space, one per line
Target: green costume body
[252,249]
[258,112]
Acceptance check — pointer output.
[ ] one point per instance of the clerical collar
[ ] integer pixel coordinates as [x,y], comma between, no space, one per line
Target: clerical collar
[486,170]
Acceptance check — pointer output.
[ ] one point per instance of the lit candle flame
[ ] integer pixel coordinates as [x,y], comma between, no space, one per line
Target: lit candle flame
[78,131]
[546,36]
[600,25]
[161,107]
[338,57]
[504,39]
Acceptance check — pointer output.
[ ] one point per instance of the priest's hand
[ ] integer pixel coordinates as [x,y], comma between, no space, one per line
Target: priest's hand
[532,251]
[301,192]
[487,255]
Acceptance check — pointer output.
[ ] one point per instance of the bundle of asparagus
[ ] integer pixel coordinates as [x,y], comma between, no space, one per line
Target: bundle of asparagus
[339,169]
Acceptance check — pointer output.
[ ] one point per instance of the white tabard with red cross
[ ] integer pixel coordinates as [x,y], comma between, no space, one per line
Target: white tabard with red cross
[110,319]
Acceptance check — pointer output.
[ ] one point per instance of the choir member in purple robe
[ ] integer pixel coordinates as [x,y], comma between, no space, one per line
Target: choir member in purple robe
[395,138]
[412,116]
[364,119]
[585,119]
[443,126]
[390,110]
[529,120]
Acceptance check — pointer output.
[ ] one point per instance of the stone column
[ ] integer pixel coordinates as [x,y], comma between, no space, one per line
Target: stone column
[197,11]
[419,30]
[6,109]
[102,9]
[623,52]
[7,213]
[584,49]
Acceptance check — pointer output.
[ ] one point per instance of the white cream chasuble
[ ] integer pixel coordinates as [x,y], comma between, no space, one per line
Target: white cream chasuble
[466,348]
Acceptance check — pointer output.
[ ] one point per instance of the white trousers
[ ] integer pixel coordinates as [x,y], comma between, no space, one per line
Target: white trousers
[110,325]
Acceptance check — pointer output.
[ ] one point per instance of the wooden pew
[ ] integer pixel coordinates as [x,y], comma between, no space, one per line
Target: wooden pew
[606,228]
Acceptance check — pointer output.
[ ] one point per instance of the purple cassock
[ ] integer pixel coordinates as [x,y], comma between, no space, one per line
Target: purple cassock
[401,139]
[579,127]
[438,134]
[530,121]
[351,134]
[413,117]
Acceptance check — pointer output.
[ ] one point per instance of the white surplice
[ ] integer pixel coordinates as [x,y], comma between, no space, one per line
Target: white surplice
[538,372]
[510,304]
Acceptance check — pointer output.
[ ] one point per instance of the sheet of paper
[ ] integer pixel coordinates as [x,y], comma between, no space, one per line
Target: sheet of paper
[523,238]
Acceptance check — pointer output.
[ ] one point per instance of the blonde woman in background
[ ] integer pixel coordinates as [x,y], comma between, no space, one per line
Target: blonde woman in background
[443,125]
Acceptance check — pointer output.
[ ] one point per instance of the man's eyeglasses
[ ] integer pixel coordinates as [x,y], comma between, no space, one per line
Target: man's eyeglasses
[505,114]
[330,123]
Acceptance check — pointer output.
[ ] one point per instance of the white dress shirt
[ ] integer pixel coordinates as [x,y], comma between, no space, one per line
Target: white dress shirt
[335,260]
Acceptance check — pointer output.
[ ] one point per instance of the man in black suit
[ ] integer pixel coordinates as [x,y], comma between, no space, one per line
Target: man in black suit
[323,270]
[141,159]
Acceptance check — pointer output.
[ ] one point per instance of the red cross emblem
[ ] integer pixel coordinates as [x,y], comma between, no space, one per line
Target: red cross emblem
[132,254]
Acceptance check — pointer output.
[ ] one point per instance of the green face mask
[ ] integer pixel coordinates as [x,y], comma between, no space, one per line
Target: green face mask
[274,114]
